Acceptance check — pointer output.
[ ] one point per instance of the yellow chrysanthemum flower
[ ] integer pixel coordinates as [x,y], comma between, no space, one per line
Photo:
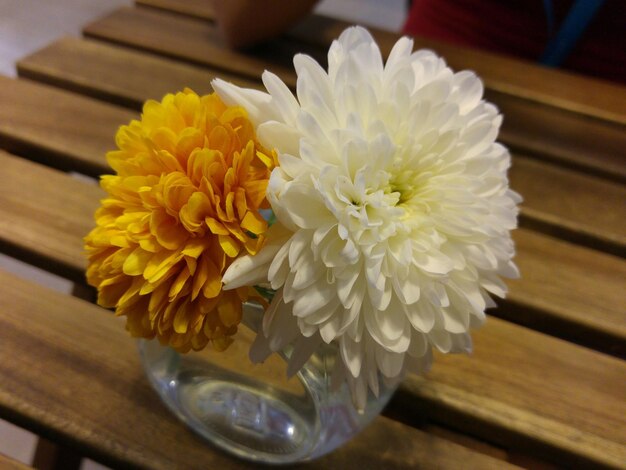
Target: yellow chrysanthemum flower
[190,181]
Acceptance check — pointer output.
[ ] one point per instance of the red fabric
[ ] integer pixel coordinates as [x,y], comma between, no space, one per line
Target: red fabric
[520,28]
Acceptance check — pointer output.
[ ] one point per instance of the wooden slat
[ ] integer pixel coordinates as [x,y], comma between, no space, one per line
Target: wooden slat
[465,440]
[558,201]
[507,75]
[43,213]
[7,463]
[190,40]
[511,362]
[538,391]
[93,68]
[195,8]
[503,74]
[568,291]
[571,205]
[595,146]
[562,137]
[58,128]
[81,384]
[604,329]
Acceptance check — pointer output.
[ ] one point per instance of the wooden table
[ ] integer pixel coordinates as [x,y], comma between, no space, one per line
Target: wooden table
[546,385]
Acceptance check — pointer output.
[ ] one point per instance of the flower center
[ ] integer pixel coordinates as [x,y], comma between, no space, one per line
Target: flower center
[404,192]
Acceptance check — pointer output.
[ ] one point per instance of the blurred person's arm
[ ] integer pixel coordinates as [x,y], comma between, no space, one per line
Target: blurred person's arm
[245,22]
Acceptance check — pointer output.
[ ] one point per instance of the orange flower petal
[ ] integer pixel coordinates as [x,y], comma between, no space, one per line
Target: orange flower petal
[190,180]
[167,231]
[230,310]
[179,283]
[254,223]
[193,213]
[181,318]
[136,262]
[230,246]
[216,226]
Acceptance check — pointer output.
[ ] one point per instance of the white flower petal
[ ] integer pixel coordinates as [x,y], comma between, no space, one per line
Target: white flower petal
[274,134]
[307,271]
[351,354]
[400,52]
[407,287]
[391,323]
[419,345]
[319,317]
[257,104]
[284,101]
[330,328]
[470,90]
[397,197]
[351,315]
[259,350]
[380,335]
[315,102]
[305,208]
[419,365]
[301,353]
[316,77]
[315,298]
[461,343]
[422,316]
[249,270]
[389,363]
[440,339]
[455,320]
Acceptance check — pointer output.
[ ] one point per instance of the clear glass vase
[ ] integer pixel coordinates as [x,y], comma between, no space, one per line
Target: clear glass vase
[253,410]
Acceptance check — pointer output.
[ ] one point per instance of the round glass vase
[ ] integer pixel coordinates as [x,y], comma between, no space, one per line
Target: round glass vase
[252,410]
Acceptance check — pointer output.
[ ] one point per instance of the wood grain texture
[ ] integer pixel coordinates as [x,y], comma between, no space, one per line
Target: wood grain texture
[56,127]
[506,75]
[562,137]
[81,384]
[43,213]
[571,205]
[7,463]
[549,393]
[577,140]
[500,73]
[568,291]
[558,314]
[93,68]
[560,201]
[191,40]
[195,8]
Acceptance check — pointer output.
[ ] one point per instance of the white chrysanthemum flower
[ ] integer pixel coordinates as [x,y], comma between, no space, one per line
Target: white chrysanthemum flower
[393,205]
